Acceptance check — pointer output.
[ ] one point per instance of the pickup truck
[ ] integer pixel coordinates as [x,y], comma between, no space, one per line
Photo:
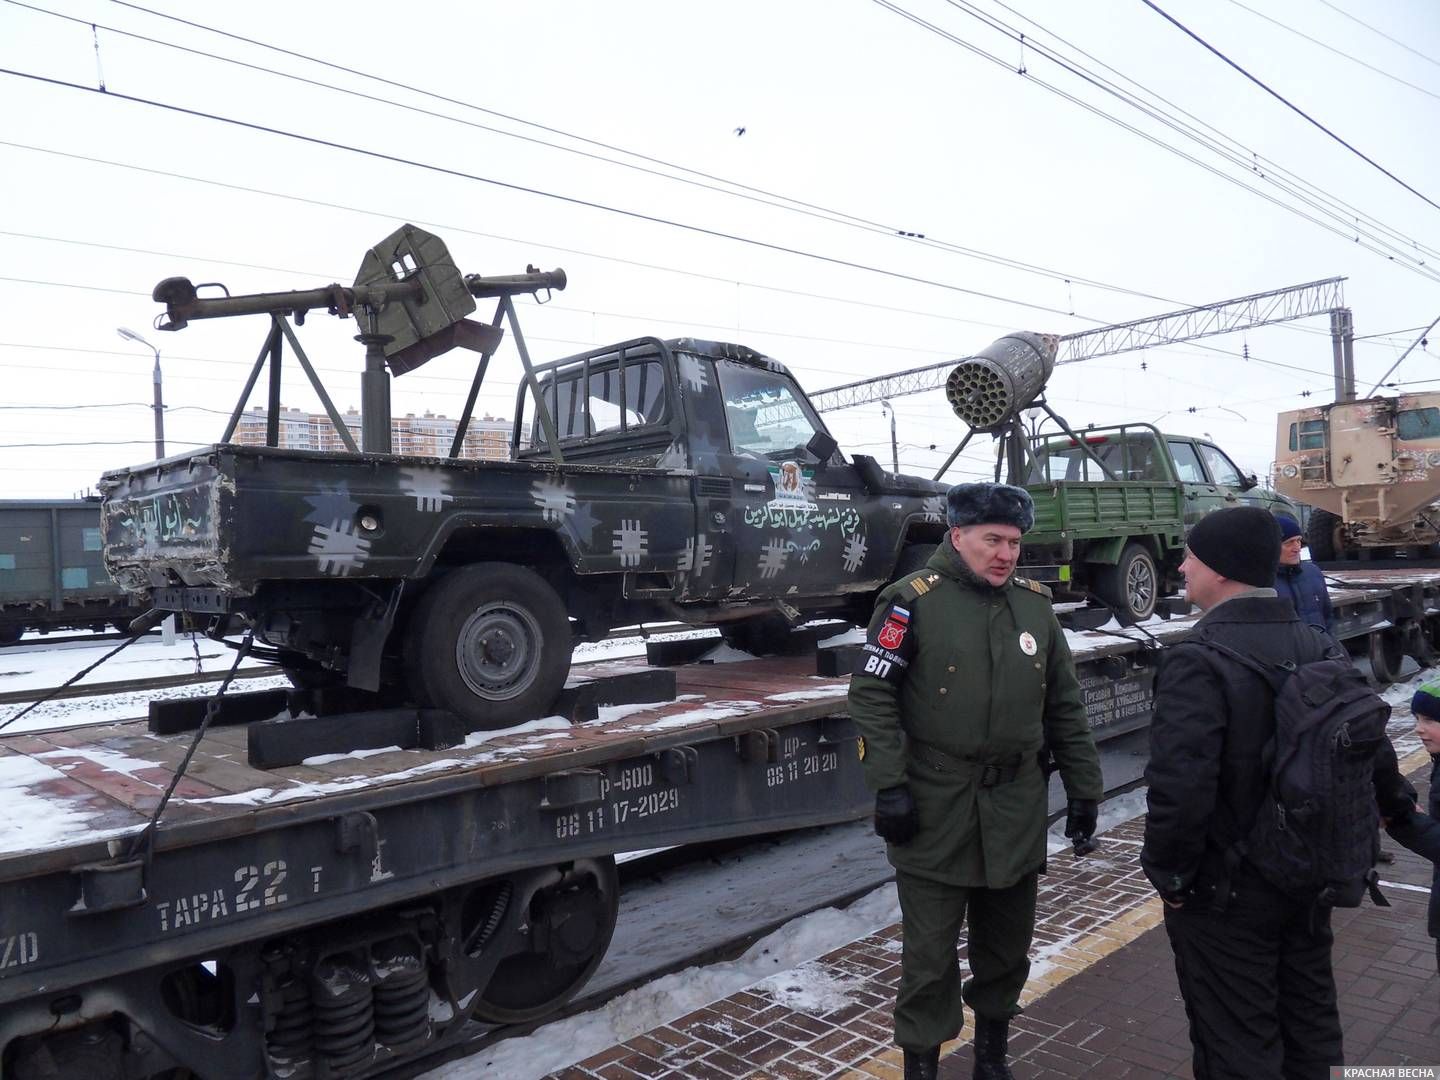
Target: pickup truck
[1123,539]
[687,480]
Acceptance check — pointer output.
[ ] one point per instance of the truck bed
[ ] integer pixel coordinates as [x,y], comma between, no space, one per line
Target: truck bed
[1082,510]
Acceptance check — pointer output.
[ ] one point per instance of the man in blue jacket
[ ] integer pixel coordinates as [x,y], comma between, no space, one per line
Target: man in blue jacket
[1302,583]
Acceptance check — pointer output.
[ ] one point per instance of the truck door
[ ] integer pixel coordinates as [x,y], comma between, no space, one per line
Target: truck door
[1230,481]
[798,526]
[1201,496]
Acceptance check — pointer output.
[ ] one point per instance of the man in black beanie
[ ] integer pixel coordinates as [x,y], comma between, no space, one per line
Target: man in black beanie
[1253,963]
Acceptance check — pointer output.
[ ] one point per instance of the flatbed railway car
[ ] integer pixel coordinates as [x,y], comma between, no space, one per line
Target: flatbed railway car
[350,914]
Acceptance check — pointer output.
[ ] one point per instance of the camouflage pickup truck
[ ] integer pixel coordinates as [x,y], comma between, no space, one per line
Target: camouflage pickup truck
[1122,536]
[688,480]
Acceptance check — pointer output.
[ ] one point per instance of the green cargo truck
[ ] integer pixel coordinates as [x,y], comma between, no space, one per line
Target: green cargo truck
[1111,515]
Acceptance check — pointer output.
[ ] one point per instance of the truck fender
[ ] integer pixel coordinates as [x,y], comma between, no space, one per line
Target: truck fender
[1106,551]
[456,523]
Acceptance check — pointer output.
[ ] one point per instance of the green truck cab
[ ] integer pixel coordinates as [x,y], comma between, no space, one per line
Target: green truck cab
[1111,515]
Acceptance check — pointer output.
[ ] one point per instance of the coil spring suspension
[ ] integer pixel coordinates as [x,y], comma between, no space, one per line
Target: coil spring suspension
[342,996]
[290,1038]
[289,1041]
[402,993]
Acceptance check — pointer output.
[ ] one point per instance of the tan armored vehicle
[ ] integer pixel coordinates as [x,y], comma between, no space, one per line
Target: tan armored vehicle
[1370,469]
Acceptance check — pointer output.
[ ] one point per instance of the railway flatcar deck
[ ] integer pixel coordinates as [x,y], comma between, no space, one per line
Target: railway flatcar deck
[339,916]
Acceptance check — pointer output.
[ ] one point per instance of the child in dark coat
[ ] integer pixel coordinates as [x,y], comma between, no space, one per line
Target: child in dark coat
[1421,832]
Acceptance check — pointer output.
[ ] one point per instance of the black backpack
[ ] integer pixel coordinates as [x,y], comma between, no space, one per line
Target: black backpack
[1316,835]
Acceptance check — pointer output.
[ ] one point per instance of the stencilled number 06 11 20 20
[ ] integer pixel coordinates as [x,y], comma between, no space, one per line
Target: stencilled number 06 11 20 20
[249,878]
[877,667]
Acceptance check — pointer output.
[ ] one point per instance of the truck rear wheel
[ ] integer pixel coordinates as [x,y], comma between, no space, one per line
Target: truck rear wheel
[1131,586]
[1325,536]
[491,643]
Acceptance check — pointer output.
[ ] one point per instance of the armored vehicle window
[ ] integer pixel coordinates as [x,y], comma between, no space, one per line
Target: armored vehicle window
[1310,435]
[1222,469]
[764,414]
[1187,464]
[1418,424]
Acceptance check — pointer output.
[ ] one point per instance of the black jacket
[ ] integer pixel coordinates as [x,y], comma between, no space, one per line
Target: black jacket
[1421,834]
[1304,586]
[1212,720]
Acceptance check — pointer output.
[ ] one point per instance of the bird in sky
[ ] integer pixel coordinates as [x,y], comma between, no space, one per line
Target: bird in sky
[739,131]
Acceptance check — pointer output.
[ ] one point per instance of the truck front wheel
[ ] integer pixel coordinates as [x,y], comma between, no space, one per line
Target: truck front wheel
[491,643]
[1131,586]
[1325,536]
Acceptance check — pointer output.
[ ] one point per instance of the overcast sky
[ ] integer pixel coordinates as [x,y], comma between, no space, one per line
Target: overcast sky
[858,124]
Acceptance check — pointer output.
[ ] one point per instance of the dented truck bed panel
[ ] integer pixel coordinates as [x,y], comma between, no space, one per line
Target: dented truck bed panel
[233,516]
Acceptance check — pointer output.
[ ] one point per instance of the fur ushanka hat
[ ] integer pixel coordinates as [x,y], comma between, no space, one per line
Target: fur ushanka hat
[990,504]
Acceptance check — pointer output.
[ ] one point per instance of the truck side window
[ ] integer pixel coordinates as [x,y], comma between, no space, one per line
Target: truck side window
[1187,465]
[1222,469]
[1417,424]
[644,397]
[579,416]
[764,415]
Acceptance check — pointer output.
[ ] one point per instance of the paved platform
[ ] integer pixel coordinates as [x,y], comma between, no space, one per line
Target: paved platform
[1101,1002]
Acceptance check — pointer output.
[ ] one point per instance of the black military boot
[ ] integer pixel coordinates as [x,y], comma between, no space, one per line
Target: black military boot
[922,1064]
[992,1038]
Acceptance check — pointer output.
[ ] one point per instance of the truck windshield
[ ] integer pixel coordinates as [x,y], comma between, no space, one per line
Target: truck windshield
[763,412]
[1133,457]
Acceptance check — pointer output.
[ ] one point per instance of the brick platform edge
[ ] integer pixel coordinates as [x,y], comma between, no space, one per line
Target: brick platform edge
[1088,910]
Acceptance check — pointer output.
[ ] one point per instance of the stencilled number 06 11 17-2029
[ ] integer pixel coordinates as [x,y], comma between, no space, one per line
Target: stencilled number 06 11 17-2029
[877,667]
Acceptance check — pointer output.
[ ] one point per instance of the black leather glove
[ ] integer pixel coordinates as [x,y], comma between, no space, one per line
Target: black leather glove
[895,818]
[1081,818]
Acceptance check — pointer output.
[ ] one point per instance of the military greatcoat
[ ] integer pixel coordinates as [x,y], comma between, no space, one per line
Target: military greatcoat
[962,685]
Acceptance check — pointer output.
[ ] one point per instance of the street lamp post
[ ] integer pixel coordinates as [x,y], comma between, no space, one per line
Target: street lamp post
[159,405]
[894,444]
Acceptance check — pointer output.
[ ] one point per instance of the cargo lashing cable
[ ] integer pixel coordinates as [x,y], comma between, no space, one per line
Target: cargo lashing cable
[73,679]
[143,844]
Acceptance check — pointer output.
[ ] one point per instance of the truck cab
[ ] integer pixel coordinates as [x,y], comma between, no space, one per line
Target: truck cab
[1113,505]
[780,512]
[1370,470]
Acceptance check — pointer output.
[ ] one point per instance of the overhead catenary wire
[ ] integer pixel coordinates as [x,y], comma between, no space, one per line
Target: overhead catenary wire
[1408,48]
[1263,166]
[773,199]
[1403,260]
[573,200]
[831,213]
[1298,369]
[1286,101]
[1338,52]
[1344,224]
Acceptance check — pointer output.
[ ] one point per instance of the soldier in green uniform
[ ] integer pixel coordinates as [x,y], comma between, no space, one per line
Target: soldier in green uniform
[966,677]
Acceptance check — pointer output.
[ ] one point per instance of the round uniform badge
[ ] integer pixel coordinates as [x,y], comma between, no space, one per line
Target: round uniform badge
[1027,643]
